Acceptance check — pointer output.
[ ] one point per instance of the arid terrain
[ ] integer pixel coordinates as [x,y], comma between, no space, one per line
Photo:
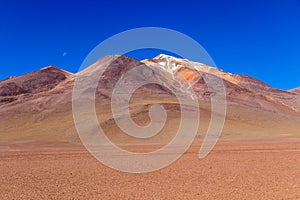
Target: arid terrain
[267,169]
[42,156]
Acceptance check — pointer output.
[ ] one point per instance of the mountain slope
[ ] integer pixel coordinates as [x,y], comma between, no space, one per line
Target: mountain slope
[295,90]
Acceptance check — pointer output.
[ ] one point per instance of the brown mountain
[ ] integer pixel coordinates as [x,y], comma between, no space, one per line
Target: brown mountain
[37,107]
[295,90]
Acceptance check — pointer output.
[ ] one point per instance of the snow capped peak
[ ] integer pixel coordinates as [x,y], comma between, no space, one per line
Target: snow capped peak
[172,64]
[169,59]
[181,66]
[166,57]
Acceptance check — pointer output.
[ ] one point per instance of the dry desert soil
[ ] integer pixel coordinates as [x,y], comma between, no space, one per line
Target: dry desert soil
[256,169]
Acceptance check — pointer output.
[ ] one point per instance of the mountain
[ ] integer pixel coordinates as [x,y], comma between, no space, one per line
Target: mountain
[37,107]
[295,90]
[241,89]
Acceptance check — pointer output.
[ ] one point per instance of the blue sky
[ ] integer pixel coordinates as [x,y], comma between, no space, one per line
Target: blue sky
[260,38]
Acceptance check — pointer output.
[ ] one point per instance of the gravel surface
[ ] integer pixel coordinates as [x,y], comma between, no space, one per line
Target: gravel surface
[238,170]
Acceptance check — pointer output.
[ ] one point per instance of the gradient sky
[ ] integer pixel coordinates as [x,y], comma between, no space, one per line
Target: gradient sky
[260,38]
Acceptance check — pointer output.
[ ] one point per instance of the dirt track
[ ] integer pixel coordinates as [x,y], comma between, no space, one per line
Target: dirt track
[234,170]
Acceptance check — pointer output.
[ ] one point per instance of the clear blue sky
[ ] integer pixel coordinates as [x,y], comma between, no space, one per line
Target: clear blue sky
[260,38]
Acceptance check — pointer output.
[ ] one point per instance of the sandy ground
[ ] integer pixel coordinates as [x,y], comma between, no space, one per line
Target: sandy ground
[234,170]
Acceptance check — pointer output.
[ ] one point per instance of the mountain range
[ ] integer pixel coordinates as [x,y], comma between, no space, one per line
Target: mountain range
[36,108]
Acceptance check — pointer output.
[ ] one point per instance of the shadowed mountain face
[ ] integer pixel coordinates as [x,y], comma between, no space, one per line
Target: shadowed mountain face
[38,106]
[44,80]
[32,83]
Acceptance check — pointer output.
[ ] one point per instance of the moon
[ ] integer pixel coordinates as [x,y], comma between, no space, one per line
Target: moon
[64,54]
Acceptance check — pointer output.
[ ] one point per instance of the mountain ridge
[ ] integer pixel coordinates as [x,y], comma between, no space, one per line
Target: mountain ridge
[239,88]
[38,106]
[67,73]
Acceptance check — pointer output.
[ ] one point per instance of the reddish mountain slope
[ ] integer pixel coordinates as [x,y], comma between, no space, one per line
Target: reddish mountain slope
[295,90]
